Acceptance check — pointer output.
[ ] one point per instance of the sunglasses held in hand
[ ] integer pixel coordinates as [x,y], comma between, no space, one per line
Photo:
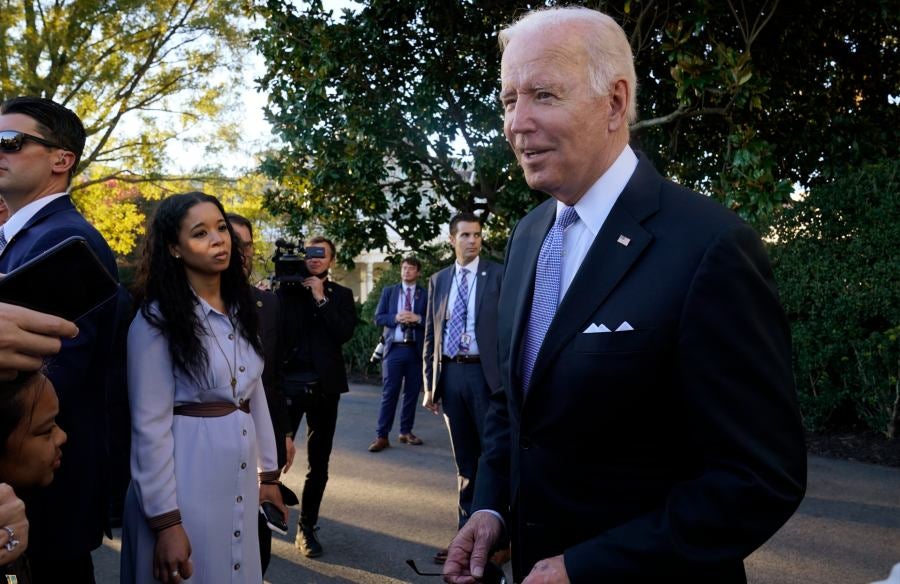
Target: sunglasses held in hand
[12,141]
[493,574]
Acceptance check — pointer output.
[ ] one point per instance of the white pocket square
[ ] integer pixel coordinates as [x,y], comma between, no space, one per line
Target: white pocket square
[624,327]
[596,329]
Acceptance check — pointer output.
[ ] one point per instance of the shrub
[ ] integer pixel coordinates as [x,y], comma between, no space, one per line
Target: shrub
[837,262]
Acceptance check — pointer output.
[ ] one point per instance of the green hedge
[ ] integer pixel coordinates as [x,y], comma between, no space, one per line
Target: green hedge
[837,262]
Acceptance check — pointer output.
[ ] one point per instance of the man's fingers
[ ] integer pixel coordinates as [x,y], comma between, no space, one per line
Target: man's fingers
[38,322]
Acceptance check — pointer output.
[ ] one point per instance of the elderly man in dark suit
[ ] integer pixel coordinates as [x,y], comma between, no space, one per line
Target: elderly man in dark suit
[401,313]
[647,430]
[460,357]
[42,143]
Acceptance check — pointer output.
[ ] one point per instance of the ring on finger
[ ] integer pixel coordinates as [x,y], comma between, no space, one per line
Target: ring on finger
[13,542]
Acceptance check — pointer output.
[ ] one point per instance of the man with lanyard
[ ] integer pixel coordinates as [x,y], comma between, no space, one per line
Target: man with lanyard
[460,355]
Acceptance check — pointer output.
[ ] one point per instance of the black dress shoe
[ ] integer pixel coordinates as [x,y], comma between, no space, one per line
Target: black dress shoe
[307,541]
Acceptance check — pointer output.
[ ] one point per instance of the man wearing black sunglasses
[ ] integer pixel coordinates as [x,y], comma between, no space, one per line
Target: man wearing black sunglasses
[40,147]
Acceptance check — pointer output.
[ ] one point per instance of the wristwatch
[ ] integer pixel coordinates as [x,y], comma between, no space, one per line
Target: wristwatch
[322,302]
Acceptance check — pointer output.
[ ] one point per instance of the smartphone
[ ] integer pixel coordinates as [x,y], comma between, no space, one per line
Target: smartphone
[67,280]
[274,520]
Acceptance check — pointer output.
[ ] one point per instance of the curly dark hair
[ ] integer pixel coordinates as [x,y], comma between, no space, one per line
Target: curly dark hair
[12,405]
[162,279]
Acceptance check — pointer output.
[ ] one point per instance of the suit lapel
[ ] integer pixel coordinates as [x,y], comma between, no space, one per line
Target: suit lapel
[481,278]
[532,240]
[443,297]
[605,264]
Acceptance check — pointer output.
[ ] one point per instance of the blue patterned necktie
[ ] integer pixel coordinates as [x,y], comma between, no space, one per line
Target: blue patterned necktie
[3,241]
[407,306]
[457,322]
[546,292]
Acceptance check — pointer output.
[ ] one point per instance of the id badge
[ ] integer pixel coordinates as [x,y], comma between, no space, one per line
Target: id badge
[464,342]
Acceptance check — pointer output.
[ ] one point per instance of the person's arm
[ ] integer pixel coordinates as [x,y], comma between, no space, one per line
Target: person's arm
[14,535]
[428,349]
[734,377]
[26,337]
[384,316]
[339,314]
[151,394]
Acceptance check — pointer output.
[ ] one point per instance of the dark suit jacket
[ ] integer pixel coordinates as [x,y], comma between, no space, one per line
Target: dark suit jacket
[69,516]
[669,452]
[269,333]
[386,313]
[319,331]
[486,293]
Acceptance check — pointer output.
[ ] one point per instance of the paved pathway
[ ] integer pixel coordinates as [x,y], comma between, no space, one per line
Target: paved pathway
[381,509]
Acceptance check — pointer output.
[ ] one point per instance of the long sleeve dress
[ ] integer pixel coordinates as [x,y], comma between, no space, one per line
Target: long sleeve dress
[206,468]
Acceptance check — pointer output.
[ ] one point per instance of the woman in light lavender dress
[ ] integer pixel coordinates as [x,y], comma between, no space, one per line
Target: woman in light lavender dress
[203,450]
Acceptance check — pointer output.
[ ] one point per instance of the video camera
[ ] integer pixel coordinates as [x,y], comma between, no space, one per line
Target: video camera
[290,261]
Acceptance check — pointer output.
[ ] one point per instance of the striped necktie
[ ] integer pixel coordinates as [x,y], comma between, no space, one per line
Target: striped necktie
[3,241]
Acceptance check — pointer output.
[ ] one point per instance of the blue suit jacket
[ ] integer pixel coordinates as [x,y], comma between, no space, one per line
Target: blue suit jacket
[69,516]
[667,449]
[386,313]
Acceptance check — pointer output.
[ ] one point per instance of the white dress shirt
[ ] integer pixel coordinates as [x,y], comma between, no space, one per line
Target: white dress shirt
[593,208]
[401,306]
[472,282]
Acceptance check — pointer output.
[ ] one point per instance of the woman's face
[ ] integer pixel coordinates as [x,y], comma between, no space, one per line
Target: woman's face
[204,242]
[33,449]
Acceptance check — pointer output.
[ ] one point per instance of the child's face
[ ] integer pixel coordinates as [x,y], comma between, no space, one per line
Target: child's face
[33,449]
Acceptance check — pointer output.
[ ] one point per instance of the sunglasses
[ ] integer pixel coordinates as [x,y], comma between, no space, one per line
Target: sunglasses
[12,141]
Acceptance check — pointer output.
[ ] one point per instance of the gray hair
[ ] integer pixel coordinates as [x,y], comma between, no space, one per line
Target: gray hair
[609,53]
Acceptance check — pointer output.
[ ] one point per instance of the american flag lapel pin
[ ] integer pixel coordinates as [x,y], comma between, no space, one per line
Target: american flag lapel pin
[623,240]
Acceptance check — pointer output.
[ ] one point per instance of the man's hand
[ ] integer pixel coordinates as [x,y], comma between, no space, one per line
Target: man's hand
[272,494]
[471,548]
[315,285]
[289,451]
[26,337]
[407,317]
[172,556]
[549,571]
[12,516]
[428,403]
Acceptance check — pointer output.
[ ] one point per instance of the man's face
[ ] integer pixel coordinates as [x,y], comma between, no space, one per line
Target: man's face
[466,241]
[555,123]
[246,240]
[28,174]
[408,273]
[318,266]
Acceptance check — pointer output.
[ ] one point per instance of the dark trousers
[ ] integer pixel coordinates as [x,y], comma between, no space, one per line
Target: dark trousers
[54,570]
[265,542]
[465,396]
[401,368]
[321,420]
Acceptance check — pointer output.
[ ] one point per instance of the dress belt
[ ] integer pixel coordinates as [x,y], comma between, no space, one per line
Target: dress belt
[461,359]
[211,409]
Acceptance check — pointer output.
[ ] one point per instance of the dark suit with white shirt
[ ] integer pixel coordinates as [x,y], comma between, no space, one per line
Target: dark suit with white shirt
[659,439]
[69,517]
[463,385]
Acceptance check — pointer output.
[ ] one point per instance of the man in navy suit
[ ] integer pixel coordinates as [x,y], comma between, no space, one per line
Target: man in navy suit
[647,429]
[401,311]
[42,144]
[460,357]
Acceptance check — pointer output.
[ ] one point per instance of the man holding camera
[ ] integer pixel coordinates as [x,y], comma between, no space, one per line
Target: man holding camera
[319,317]
[401,311]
